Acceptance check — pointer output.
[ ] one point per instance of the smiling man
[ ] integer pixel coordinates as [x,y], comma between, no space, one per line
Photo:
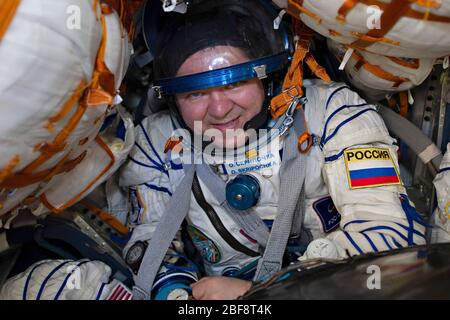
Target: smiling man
[218,66]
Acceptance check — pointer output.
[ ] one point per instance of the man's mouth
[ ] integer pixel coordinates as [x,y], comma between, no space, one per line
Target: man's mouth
[233,124]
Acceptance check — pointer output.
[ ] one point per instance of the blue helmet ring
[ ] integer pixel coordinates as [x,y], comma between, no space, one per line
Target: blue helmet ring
[258,68]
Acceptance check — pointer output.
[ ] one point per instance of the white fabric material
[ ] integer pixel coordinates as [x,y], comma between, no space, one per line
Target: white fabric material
[61,280]
[45,56]
[441,216]
[417,38]
[98,166]
[367,81]
[380,206]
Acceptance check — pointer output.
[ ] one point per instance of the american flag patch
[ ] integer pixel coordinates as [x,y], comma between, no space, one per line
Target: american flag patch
[370,167]
[120,292]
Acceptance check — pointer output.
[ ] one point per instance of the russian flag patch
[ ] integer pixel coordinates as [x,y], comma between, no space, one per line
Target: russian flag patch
[370,167]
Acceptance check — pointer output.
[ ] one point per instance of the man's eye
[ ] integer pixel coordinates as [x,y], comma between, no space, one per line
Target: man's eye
[234,85]
[195,95]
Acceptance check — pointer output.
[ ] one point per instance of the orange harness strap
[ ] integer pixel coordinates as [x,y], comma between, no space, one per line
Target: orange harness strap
[403,103]
[292,84]
[8,10]
[293,81]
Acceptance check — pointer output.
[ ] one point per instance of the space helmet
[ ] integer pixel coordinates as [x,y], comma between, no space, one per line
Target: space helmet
[245,24]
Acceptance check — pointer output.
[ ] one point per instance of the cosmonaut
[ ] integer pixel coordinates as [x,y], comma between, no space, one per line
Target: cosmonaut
[334,194]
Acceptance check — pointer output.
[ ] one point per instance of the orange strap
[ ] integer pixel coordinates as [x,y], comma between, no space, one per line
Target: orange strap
[395,10]
[370,39]
[403,103]
[293,81]
[171,143]
[434,4]
[8,169]
[378,71]
[346,7]
[106,217]
[8,9]
[22,179]
[295,8]
[391,102]
[334,33]
[392,12]
[411,13]
[127,10]
[407,63]
[317,69]
[292,85]
[304,137]
[78,197]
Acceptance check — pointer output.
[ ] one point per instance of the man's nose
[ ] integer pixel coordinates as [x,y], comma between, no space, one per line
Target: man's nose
[220,104]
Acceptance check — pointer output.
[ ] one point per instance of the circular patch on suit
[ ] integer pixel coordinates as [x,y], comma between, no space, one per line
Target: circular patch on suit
[208,249]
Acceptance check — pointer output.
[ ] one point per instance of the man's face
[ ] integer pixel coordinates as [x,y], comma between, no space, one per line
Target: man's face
[225,108]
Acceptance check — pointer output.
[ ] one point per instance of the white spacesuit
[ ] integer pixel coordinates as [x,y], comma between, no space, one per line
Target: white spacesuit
[65,280]
[213,67]
[363,214]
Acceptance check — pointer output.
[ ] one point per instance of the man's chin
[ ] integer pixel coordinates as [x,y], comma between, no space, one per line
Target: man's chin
[230,143]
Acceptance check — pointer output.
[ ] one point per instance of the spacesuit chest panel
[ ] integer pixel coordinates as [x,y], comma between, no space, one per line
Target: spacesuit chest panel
[265,168]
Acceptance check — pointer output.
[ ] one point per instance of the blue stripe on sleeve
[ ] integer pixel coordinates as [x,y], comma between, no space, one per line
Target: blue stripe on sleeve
[156,188]
[324,132]
[354,221]
[175,166]
[99,294]
[353,242]
[345,122]
[411,229]
[159,165]
[334,157]
[67,279]
[145,165]
[381,227]
[388,228]
[41,289]
[333,93]
[398,245]
[444,169]
[374,248]
[27,282]
[385,241]
[150,143]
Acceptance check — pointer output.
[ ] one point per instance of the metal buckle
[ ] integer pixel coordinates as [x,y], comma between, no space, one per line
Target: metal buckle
[261,71]
[157,89]
[289,120]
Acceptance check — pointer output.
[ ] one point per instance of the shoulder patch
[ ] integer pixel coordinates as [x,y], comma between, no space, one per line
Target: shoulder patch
[370,167]
[328,214]
[208,249]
